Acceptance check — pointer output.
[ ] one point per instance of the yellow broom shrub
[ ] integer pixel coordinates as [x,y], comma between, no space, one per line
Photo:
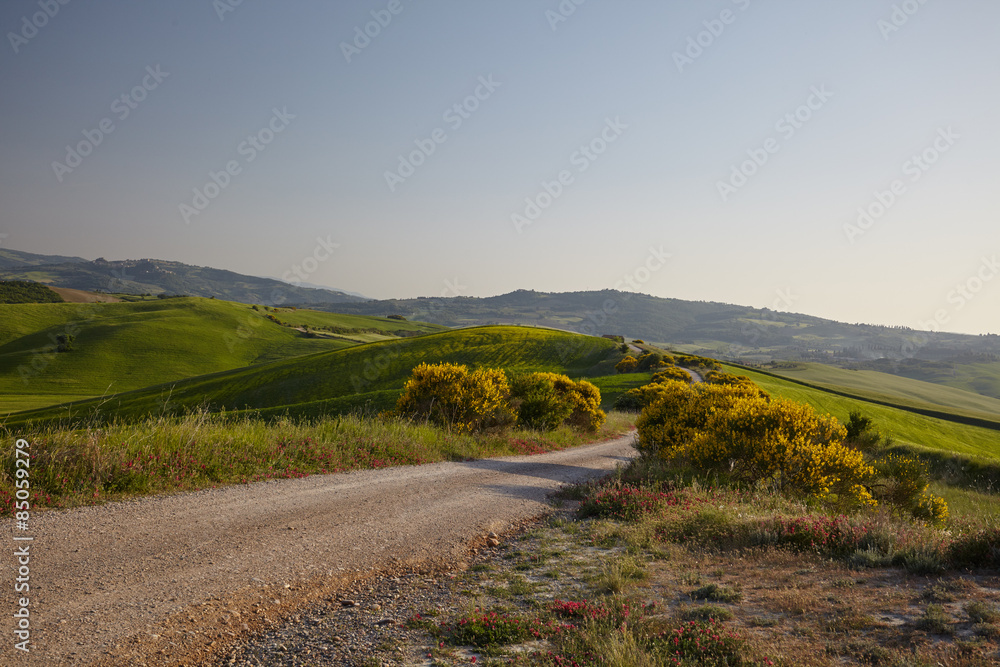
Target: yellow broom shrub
[449,395]
[785,443]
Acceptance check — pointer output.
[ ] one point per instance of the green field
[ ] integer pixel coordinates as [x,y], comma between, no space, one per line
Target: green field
[982,378]
[340,380]
[125,346]
[613,386]
[896,389]
[906,428]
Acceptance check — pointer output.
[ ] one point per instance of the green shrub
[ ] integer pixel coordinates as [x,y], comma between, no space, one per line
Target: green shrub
[649,361]
[935,620]
[705,612]
[538,403]
[485,629]
[982,612]
[716,593]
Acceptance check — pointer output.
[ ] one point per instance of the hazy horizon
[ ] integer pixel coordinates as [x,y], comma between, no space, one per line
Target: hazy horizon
[836,161]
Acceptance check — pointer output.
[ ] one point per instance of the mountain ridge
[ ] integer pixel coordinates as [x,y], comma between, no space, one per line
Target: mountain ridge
[157,276]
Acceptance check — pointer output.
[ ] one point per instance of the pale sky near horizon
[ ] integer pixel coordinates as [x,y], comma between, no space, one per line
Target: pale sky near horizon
[480,147]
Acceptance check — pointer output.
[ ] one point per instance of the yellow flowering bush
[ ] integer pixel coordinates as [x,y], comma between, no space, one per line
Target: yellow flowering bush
[730,380]
[931,508]
[587,414]
[677,412]
[449,395]
[627,364]
[671,374]
[786,443]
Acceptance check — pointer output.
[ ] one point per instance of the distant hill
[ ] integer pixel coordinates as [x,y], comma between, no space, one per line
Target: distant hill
[155,276]
[13,259]
[720,330]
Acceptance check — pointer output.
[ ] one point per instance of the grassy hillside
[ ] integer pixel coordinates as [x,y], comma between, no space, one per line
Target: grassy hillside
[905,427]
[125,346]
[979,373]
[342,379]
[894,388]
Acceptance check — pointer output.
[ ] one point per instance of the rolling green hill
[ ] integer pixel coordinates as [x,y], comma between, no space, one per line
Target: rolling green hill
[905,427]
[979,373]
[125,346]
[343,379]
[893,388]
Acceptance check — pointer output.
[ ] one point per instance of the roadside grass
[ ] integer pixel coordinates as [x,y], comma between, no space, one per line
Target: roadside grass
[658,569]
[72,467]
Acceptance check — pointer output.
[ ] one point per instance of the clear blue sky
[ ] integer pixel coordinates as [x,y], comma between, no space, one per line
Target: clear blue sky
[665,123]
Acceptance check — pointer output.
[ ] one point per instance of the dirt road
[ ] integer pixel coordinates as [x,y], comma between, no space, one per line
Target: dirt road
[168,580]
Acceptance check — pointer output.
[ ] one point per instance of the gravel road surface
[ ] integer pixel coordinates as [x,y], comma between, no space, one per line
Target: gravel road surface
[177,579]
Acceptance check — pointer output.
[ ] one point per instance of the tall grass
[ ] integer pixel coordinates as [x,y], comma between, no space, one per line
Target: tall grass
[76,466]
